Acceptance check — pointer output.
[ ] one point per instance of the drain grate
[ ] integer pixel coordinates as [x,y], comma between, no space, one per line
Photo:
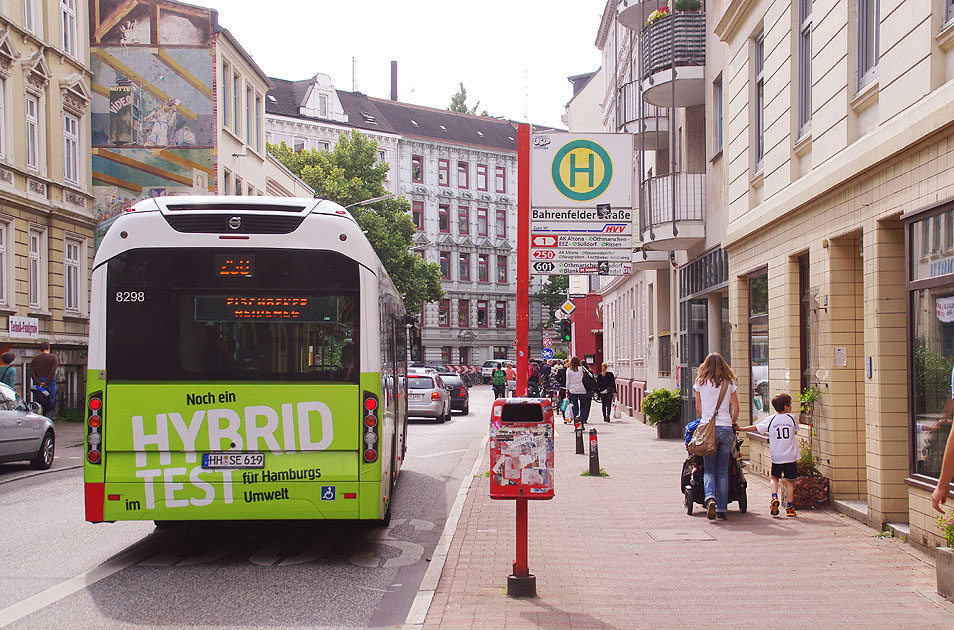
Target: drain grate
[676,535]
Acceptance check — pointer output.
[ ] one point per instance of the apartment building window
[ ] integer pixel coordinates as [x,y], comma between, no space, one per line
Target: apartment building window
[322,105]
[71,263]
[463,313]
[759,100]
[417,169]
[68,19]
[32,131]
[417,214]
[464,355]
[382,156]
[443,313]
[324,146]
[948,230]
[444,259]
[481,314]
[37,269]
[463,220]
[4,266]
[71,149]
[501,223]
[236,104]
[258,123]
[501,269]
[482,173]
[804,321]
[500,352]
[869,16]
[298,144]
[501,179]
[226,94]
[483,268]
[804,66]
[238,185]
[249,102]
[717,98]
[500,321]
[31,16]
[481,221]
[446,352]
[249,190]
[443,172]
[226,182]
[463,267]
[948,10]
[463,175]
[443,218]
[3,117]
[759,346]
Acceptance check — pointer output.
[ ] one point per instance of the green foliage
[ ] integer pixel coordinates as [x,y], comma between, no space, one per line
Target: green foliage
[661,405]
[687,5]
[459,103]
[885,533]
[553,294]
[351,173]
[70,415]
[586,473]
[945,523]
[807,400]
[807,464]
[561,355]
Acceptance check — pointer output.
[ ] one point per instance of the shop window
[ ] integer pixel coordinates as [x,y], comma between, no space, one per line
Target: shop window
[933,331]
[443,313]
[759,347]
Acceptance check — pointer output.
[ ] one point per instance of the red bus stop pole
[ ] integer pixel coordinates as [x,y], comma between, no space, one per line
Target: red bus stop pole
[520,565]
[523,255]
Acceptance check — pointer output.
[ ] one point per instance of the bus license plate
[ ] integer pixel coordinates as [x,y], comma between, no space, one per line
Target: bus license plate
[233,460]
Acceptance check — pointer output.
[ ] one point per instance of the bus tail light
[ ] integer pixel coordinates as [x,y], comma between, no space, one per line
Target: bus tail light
[370,414]
[94,428]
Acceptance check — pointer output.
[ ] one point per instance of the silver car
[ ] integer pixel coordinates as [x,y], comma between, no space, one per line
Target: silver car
[427,397]
[24,433]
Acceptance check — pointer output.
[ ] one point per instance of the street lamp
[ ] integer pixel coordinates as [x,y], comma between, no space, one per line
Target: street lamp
[367,201]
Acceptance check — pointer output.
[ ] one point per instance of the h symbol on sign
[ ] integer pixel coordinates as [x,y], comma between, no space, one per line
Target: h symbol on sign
[574,170]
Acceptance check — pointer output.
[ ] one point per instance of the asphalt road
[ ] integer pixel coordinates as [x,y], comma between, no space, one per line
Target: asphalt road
[58,571]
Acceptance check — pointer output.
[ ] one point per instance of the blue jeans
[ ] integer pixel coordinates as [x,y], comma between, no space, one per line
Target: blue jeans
[581,407]
[715,477]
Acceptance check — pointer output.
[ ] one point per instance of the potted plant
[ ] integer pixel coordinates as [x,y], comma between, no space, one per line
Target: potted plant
[807,400]
[683,6]
[944,557]
[662,407]
[811,487]
[658,14]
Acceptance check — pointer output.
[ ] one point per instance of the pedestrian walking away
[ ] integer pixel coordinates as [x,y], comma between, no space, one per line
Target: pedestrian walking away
[43,373]
[713,374]
[580,394]
[499,381]
[782,430]
[8,373]
[606,388]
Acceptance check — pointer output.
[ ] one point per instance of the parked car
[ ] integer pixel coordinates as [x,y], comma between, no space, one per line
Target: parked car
[459,394]
[24,433]
[487,370]
[428,397]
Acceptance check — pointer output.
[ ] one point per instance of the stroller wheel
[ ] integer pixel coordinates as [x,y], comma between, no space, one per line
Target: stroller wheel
[688,500]
[743,501]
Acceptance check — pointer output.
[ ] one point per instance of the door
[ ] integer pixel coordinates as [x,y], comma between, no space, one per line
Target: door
[695,352]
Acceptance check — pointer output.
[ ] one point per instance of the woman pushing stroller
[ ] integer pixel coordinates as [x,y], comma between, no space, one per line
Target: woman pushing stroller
[716,382]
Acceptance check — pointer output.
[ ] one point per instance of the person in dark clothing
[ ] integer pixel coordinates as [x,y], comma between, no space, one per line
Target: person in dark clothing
[499,381]
[606,388]
[43,373]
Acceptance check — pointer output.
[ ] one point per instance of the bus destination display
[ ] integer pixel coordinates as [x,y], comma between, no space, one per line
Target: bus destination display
[231,265]
[233,308]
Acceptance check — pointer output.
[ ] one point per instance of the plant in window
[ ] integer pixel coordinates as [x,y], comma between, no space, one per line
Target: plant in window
[658,14]
[807,400]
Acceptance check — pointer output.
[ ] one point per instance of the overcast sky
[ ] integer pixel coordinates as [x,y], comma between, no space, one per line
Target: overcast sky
[512,55]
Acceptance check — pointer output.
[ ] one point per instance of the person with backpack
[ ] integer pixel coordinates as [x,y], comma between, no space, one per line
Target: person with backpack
[499,381]
[533,379]
[580,391]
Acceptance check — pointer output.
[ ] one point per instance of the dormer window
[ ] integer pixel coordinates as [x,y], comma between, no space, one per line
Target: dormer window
[443,128]
[272,98]
[480,133]
[414,122]
[368,118]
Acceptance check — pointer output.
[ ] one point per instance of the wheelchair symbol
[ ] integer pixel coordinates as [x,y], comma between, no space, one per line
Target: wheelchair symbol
[327,493]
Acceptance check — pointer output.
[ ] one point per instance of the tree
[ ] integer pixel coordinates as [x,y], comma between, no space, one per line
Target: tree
[351,173]
[553,295]
[459,103]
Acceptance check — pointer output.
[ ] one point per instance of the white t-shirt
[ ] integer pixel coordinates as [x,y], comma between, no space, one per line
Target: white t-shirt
[574,381]
[709,394]
[782,430]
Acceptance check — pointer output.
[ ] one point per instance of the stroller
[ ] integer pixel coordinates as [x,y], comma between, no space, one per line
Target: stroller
[691,485]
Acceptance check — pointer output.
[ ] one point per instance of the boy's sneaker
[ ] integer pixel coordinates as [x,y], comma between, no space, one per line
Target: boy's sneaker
[790,511]
[775,504]
[711,509]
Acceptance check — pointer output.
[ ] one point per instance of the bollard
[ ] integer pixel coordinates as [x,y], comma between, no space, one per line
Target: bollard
[594,454]
[579,438]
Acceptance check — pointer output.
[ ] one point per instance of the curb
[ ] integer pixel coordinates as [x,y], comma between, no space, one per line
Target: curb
[425,594]
[40,472]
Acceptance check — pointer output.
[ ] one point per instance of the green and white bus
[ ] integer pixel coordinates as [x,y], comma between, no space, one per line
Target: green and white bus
[247,360]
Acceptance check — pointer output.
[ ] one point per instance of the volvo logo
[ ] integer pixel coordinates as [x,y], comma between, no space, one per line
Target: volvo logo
[235,222]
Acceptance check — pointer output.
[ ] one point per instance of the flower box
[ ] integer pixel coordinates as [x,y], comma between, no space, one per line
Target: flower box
[944,560]
[811,492]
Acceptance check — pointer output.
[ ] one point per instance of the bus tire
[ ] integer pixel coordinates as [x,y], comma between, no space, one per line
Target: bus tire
[44,456]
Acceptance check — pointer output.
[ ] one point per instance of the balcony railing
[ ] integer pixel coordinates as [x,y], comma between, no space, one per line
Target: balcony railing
[672,198]
[676,40]
[627,107]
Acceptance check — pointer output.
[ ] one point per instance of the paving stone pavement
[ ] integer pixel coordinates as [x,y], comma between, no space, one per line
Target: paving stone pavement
[598,565]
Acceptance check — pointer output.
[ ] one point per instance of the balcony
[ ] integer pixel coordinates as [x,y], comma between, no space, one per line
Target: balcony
[649,260]
[652,123]
[672,213]
[672,56]
[632,14]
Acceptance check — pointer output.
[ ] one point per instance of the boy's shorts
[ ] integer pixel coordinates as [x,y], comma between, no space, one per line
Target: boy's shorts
[789,470]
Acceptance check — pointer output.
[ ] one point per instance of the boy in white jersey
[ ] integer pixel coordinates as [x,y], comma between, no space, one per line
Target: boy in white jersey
[782,429]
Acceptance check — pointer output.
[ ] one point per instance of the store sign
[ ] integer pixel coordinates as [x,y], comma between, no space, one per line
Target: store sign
[945,309]
[24,327]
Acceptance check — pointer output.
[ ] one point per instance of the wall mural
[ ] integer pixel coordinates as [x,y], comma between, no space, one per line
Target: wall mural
[153,119]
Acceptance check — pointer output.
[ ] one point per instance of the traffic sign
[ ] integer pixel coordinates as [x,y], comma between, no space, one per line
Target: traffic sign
[568,268]
[572,170]
[568,307]
[513,344]
[595,255]
[582,240]
[547,342]
[542,240]
[547,353]
[546,228]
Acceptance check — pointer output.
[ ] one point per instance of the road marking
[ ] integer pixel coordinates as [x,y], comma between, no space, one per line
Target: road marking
[41,600]
[425,594]
[441,454]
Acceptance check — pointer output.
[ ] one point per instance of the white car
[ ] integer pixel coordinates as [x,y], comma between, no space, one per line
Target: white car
[487,370]
[24,433]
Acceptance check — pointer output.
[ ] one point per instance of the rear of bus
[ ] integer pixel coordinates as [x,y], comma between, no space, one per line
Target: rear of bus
[229,370]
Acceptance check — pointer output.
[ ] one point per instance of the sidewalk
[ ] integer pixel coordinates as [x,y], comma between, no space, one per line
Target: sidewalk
[621,552]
